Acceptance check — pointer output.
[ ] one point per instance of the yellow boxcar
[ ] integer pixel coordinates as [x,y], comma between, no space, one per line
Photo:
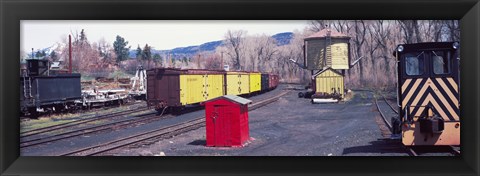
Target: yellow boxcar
[255,80]
[196,88]
[238,83]
[214,86]
[329,81]
[192,89]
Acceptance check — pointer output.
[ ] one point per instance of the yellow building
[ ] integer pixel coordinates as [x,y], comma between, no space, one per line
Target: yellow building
[329,82]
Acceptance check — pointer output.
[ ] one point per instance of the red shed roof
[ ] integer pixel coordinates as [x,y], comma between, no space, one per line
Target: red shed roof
[323,34]
[233,98]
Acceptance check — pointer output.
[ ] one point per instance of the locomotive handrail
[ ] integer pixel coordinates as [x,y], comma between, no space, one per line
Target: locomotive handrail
[24,88]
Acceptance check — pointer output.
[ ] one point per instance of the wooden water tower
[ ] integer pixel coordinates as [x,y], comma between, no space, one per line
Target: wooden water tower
[327,49]
[327,56]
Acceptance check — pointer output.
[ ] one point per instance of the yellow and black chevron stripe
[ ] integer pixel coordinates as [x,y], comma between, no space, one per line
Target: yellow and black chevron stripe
[440,93]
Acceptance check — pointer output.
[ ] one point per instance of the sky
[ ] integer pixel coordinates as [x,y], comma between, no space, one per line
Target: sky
[160,34]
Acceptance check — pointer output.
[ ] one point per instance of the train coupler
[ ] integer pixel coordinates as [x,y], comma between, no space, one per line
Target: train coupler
[434,124]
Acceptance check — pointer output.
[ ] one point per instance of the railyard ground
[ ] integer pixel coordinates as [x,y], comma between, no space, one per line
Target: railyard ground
[291,126]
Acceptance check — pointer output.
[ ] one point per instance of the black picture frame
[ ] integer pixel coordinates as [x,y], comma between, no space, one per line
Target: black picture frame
[12,11]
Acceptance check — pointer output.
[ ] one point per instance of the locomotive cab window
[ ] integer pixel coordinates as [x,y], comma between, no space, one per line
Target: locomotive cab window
[414,64]
[441,62]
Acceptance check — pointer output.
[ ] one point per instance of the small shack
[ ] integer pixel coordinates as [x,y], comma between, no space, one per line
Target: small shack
[226,120]
[328,83]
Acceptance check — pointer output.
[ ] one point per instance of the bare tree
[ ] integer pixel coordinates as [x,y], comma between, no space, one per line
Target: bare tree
[358,42]
[411,31]
[213,62]
[234,42]
[453,30]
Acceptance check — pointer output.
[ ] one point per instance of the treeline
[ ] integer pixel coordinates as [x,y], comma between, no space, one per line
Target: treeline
[372,40]
[375,41]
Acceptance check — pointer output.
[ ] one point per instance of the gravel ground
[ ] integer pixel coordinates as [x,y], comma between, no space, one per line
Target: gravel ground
[294,127]
[63,146]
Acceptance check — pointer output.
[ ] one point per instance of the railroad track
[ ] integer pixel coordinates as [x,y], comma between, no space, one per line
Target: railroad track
[391,107]
[157,134]
[98,128]
[419,150]
[79,122]
[79,111]
[411,150]
[381,112]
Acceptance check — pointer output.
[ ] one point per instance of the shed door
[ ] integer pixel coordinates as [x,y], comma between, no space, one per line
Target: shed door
[222,125]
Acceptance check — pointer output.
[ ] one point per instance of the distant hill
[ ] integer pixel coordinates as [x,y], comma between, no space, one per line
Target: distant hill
[280,38]
[283,38]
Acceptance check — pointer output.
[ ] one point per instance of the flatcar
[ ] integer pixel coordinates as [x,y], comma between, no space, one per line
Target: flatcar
[177,88]
[42,90]
[428,93]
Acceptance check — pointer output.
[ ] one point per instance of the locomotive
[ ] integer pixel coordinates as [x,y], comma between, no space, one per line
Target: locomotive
[428,93]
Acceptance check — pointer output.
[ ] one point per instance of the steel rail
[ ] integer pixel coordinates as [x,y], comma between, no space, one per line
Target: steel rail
[88,130]
[79,122]
[111,145]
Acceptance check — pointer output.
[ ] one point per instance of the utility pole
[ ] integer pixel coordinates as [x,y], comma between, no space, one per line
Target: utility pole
[198,61]
[69,53]
[222,60]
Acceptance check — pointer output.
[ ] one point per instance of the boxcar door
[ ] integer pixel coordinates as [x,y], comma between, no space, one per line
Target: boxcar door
[174,88]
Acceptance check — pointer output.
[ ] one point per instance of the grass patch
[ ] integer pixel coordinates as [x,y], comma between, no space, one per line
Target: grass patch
[69,117]
[41,123]
[87,78]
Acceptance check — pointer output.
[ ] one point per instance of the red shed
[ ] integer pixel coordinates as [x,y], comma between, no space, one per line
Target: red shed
[227,121]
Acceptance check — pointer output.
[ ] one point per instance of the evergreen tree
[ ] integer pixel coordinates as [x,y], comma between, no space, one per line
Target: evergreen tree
[82,39]
[157,58]
[121,49]
[40,54]
[53,55]
[139,53]
[83,36]
[100,52]
[147,53]
[185,60]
